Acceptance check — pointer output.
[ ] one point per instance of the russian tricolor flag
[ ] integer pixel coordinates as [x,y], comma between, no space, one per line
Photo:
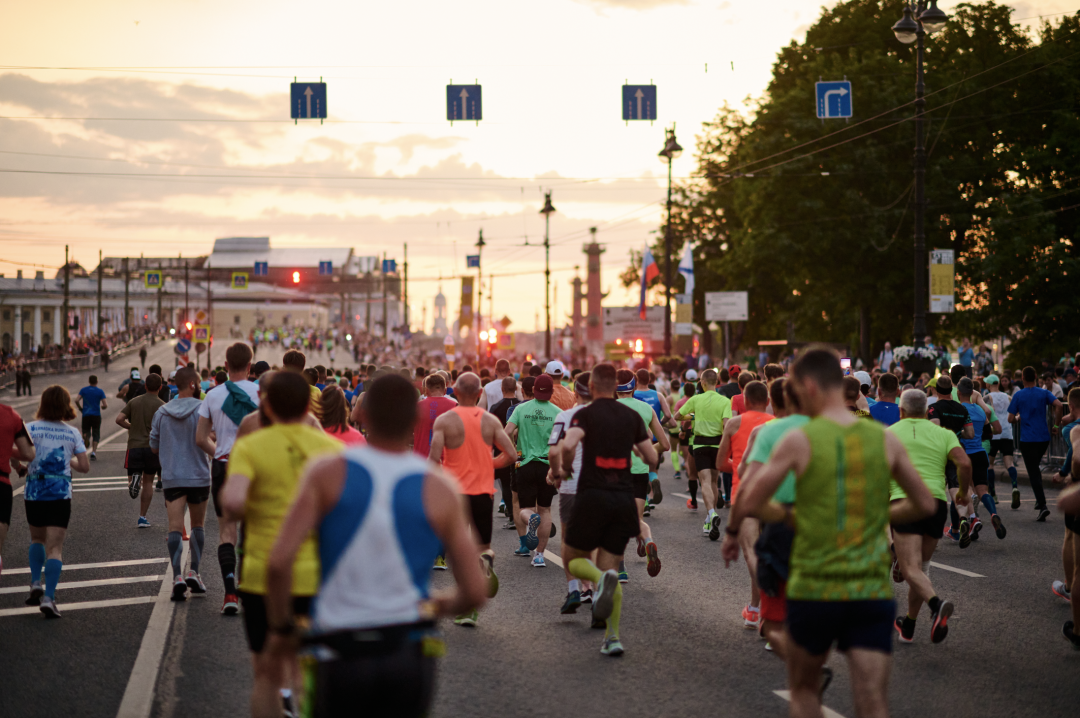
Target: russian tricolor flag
[649,272]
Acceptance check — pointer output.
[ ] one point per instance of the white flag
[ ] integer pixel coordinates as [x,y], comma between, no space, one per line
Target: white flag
[686,268]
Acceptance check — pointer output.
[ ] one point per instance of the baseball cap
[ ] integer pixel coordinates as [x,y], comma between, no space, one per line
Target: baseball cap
[543,387]
[172,374]
[734,369]
[691,375]
[993,379]
[555,368]
[863,378]
[135,374]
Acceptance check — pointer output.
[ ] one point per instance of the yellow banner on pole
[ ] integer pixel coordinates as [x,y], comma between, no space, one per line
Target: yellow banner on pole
[942,281]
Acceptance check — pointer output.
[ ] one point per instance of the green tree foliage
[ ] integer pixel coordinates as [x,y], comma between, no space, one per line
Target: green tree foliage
[815,218]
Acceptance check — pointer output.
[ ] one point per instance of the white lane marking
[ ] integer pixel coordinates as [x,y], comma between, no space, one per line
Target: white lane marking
[138,698]
[18,491]
[102,482]
[98,478]
[681,496]
[104,564]
[106,488]
[960,571]
[21,404]
[64,607]
[827,712]
[111,437]
[87,584]
[553,557]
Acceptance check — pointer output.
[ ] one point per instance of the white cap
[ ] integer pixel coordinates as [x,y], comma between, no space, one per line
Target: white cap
[172,374]
[691,374]
[135,374]
[863,378]
[555,368]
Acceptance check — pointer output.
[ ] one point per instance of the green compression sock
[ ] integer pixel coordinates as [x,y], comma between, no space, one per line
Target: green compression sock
[585,569]
[616,613]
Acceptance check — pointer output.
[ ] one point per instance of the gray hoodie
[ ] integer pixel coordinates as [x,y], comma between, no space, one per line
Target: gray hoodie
[172,434]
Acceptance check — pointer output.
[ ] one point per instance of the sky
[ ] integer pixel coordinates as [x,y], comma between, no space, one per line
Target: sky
[169,127]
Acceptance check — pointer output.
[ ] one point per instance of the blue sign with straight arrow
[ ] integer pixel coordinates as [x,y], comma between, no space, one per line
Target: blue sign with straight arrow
[833,100]
[463,102]
[639,102]
[308,100]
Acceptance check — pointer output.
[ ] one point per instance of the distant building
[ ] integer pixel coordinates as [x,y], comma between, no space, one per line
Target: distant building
[439,329]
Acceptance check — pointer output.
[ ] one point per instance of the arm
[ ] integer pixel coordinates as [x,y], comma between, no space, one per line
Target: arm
[661,435]
[234,496]
[78,402]
[80,463]
[963,472]
[122,419]
[155,432]
[569,446]
[919,502]
[104,403]
[354,415]
[438,440]
[723,454]
[746,454]
[968,432]
[512,432]
[995,426]
[446,514]
[1057,407]
[503,443]
[665,409]
[647,453]
[202,436]
[24,450]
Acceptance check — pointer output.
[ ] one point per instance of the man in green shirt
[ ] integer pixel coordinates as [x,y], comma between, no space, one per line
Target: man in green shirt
[530,427]
[711,412]
[839,589]
[930,448]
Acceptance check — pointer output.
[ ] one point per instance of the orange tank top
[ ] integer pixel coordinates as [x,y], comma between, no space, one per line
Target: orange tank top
[471,463]
[749,421]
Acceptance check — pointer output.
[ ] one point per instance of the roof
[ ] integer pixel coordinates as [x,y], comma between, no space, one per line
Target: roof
[110,287]
[243,252]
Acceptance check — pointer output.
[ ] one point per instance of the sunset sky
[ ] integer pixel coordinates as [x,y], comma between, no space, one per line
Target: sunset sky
[192,138]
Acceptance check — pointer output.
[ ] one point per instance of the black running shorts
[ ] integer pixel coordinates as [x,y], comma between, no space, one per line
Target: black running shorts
[1005,447]
[255,620]
[481,508]
[218,471]
[641,486]
[142,461]
[532,486]
[952,481]
[91,426]
[193,494]
[773,549]
[603,519]
[48,513]
[979,466]
[6,500]
[933,526]
[705,457]
[816,625]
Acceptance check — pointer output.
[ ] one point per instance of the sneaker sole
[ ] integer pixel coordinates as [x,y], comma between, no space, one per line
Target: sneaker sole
[714,529]
[657,493]
[531,539]
[641,548]
[653,568]
[940,629]
[965,535]
[1016,498]
[900,634]
[230,610]
[975,531]
[134,485]
[604,596]
[493,580]
[1060,595]
[50,611]
[179,592]
[1043,515]
[35,597]
[614,651]
[999,528]
[570,608]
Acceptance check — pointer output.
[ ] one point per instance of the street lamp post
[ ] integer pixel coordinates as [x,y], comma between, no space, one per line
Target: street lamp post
[670,152]
[918,20]
[546,211]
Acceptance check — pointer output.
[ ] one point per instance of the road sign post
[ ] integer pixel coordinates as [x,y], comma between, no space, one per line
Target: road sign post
[833,100]
[308,101]
[639,102]
[463,103]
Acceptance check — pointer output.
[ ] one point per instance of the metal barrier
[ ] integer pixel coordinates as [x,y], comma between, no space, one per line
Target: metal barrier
[67,364]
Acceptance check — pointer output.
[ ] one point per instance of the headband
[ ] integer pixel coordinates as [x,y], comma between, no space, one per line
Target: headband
[582,390]
[627,387]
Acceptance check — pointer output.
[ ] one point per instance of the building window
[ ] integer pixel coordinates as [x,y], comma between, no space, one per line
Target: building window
[7,316]
[236,319]
[46,316]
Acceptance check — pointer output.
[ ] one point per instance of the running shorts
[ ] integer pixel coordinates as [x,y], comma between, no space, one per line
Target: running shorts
[774,608]
[255,621]
[481,507]
[979,466]
[603,519]
[952,481]
[532,486]
[218,472]
[91,426]
[1072,523]
[193,494]
[816,625]
[641,485]
[6,500]
[566,507]
[773,549]
[1005,447]
[48,513]
[392,675]
[141,461]
[705,457]
[933,526]
[505,476]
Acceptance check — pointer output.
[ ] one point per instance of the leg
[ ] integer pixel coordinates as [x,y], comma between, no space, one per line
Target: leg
[909,554]
[804,681]
[646,532]
[707,481]
[748,536]
[54,546]
[197,512]
[147,494]
[37,552]
[175,511]
[870,681]
[1075,604]
[1067,557]
[545,528]
[1032,452]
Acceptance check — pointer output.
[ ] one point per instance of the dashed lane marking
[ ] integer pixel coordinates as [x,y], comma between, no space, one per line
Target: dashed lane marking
[107,488]
[103,564]
[88,584]
[64,607]
[960,571]
[827,712]
[111,437]
[553,557]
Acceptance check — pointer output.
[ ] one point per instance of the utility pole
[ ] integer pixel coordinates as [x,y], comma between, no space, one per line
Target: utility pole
[546,211]
[385,319]
[368,285]
[921,267]
[187,310]
[67,282]
[209,315]
[405,289]
[479,297]
[127,281]
[98,323]
[160,289]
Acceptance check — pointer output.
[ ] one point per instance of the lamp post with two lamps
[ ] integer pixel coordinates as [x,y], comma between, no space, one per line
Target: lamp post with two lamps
[668,154]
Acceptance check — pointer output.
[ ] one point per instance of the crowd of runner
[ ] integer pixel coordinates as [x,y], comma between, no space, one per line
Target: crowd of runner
[344,487]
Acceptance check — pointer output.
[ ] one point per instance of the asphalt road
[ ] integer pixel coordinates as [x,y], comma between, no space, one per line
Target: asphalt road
[687,652]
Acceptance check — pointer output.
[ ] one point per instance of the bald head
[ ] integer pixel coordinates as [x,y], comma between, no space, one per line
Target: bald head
[467,389]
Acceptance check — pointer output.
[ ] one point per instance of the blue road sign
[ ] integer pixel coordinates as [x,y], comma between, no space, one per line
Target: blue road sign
[389,266]
[262,269]
[463,102]
[326,267]
[308,100]
[639,102]
[472,260]
[182,347]
[833,99]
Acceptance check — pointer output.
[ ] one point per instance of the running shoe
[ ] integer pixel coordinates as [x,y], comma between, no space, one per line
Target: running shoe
[897,577]
[142,523]
[691,504]
[826,679]
[36,592]
[976,527]
[612,647]
[1068,630]
[999,528]
[940,627]
[467,619]
[714,528]
[641,547]
[657,493]
[598,623]
[93,456]
[1060,589]
[678,475]
[965,533]
[1016,498]
[604,598]
[522,551]
[751,618]
[586,596]
[231,606]
[706,527]
[487,564]
[179,589]
[48,607]
[157,486]
[949,534]
[647,510]
[531,539]
[134,484]
[768,646]
[538,561]
[905,629]
[571,604]
[1044,513]
[624,577]
[654,559]
[502,507]
[440,563]
[194,582]
[510,525]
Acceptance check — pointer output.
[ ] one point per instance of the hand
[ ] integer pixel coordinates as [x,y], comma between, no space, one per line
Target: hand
[729,550]
[962,500]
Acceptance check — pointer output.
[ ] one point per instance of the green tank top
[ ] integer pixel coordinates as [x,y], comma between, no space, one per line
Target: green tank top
[840,551]
[637,466]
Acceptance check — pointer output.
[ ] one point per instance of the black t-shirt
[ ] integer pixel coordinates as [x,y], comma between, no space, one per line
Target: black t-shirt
[611,431]
[502,411]
[952,414]
[135,388]
[729,390]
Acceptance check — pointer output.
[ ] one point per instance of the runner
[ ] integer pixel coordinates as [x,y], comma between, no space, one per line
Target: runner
[141,463]
[885,408]
[58,449]
[14,444]
[335,413]
[839,589]
[1003,442]
[711,412]
[462,442]
[185,476]
[952,415]
[263,480]
[930,448]
[131,387]
[561,397]
[529,427]
[979,463]
[604,519]
[686,438]
[373,623]
[659,405]
[502,410]
[221,412]
[90,401]
[427,411]
[1069,504]
[732,450]
[493,392]
[1028,408]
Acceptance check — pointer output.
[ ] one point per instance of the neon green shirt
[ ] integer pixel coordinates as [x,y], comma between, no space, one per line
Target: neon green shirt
[534,420]
[709,410]
[768,436]
[928,446]
[637,466]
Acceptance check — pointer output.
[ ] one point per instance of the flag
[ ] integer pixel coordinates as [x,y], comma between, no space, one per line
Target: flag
[686,268]
[649,272]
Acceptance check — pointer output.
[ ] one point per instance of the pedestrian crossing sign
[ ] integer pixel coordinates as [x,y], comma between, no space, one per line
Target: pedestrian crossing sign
[201,333]
[152,279]
[239,280]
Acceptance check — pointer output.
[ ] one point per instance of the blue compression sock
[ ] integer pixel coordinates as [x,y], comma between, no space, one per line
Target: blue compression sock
[198,539]
[988,502]
[175,542]
[37,560]
[1012,475]
[52,576]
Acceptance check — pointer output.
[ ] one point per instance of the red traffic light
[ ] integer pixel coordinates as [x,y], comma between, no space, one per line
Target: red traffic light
[296,277]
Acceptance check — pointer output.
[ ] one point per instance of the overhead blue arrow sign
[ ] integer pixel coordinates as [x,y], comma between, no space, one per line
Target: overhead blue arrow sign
[308,100]
[262,269]
[833,100]
[463,103]
[639,102]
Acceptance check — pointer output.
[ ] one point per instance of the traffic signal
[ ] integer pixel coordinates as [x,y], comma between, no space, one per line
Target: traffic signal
[296,277]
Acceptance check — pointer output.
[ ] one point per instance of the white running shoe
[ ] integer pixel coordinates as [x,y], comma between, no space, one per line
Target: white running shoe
[194,582]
